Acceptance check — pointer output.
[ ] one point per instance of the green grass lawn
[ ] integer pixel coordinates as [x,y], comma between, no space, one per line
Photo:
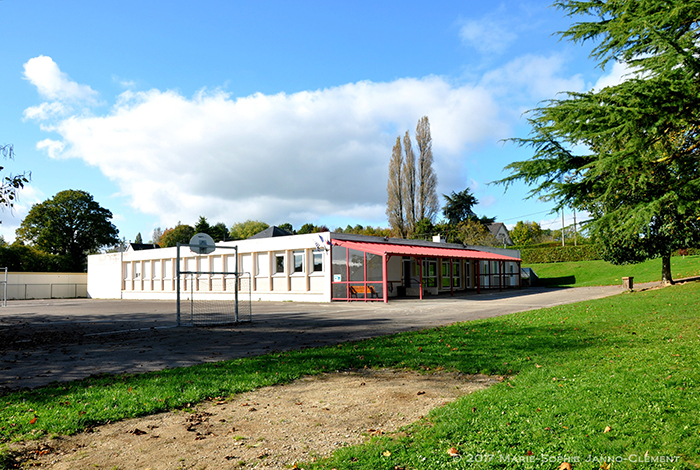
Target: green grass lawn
[629,362]
[601,273]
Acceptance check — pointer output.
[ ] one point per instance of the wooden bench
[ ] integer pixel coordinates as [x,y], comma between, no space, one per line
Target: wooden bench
[369,291]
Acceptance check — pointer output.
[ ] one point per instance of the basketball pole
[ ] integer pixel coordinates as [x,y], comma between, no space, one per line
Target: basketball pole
[177,282]
[235,291]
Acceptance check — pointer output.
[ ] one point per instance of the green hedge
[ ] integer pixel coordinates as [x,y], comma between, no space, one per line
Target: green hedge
[559,254]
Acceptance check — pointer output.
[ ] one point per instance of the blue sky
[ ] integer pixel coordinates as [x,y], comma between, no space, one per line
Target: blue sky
[276,111]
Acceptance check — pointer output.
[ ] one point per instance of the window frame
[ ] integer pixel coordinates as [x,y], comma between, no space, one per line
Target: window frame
[283,266]
[313,262]
[297,255]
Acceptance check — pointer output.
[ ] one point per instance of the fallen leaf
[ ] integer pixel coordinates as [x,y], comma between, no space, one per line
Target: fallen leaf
[453,452]
[538,366]
[565,466]
[605,466]
[386,453]
[607,429]
[33,420]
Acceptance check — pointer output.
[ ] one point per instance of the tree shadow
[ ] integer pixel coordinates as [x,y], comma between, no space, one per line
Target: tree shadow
[561,281]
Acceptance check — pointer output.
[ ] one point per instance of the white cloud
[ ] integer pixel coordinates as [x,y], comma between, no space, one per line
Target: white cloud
[487,35]
[618,74]
[532,77]
[53,84]
[276,157]
[307,156]
[52,147]
[45,111]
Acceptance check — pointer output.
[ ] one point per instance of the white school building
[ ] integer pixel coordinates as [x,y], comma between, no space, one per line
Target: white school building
[319,267]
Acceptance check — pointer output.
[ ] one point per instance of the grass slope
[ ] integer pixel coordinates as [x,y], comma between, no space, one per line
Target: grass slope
[601,273]
[630,362]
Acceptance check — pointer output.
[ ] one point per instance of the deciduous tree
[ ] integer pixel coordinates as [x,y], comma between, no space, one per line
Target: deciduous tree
[181,233]
[526,233]
[156,235]
[628,154]
[10,184]
[288,227]
[427,204]
[70,224]
[474,233]
[409,185]
[243,230]
[394,205]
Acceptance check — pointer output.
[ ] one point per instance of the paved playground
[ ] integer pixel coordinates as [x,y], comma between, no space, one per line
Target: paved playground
[42,341]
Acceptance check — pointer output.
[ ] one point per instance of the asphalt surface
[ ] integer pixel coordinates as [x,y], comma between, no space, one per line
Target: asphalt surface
[42,341]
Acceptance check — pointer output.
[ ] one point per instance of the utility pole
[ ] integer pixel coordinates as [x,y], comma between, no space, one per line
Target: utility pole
[575,231]
[562,227]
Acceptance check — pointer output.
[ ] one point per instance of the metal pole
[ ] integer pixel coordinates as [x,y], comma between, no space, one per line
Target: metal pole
[4,302]
[364,265]
[177,282]
[420,263]
[385,259]
[575,231]
[237,280]
[478,276]
[452,292]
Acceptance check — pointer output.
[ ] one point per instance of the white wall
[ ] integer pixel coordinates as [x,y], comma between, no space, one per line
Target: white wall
[104,276]
[150,274]
[21,285]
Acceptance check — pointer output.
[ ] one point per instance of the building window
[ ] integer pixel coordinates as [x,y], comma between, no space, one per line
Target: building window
[318,262]
[429,272]
[298,261]
[279,264]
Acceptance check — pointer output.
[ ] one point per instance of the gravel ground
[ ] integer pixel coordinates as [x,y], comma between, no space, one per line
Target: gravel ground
[273,427]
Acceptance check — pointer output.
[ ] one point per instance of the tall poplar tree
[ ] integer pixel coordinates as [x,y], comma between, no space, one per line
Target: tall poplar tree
[628,154]
[427,204]
[394,189]
[409,185]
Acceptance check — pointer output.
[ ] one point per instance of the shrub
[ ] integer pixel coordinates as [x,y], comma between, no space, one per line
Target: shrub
[558,254]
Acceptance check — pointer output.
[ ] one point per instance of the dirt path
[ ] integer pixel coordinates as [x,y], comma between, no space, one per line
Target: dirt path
[273,427]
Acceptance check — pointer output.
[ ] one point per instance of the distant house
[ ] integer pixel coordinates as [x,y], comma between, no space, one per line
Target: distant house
[500,231]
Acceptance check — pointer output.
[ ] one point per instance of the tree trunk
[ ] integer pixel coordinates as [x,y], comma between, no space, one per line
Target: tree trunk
[666,269]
